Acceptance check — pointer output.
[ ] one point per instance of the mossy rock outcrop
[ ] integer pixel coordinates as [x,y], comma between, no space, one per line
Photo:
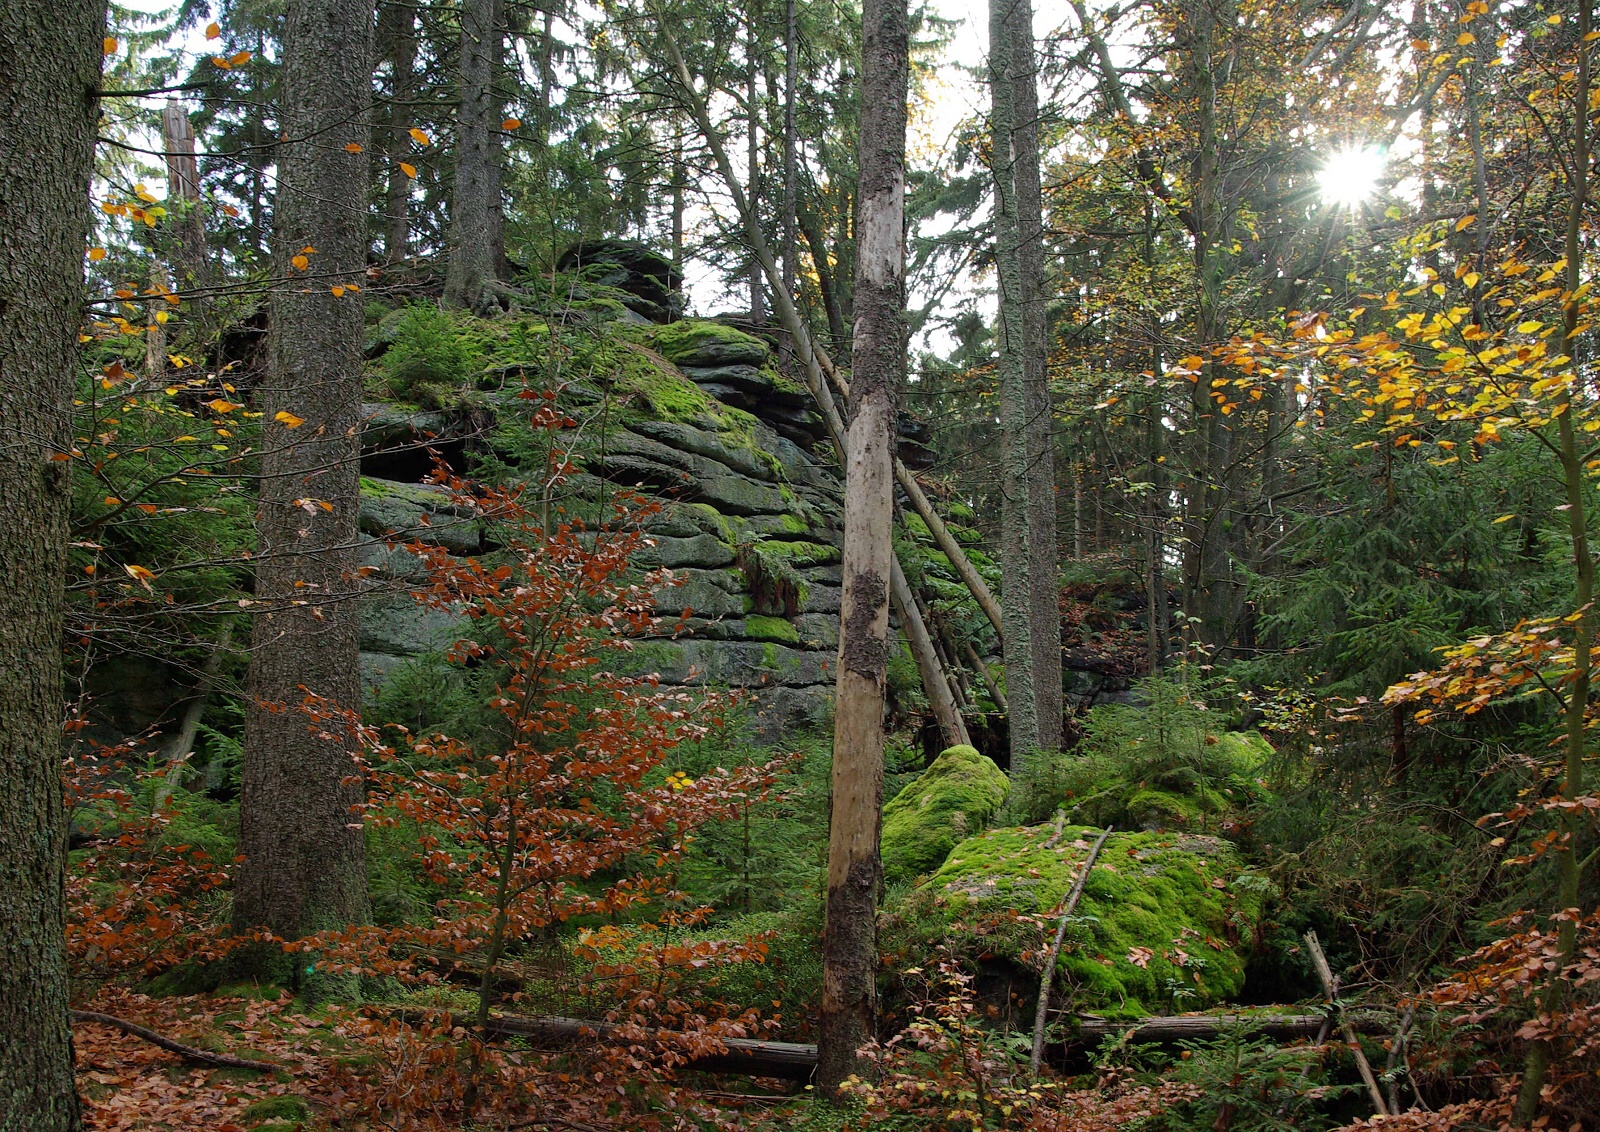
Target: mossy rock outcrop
[951,800]
[1165,923]
[692,414]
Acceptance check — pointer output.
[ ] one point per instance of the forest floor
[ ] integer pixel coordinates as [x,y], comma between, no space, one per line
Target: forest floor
[341,1068]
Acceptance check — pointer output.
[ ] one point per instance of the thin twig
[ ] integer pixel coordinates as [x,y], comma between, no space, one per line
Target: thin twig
[1055,951]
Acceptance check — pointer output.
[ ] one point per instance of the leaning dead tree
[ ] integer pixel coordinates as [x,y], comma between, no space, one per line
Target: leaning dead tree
[817,370]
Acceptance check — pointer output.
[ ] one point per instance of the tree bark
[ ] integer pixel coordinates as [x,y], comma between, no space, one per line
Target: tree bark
[791,70]
[402,47]
[935,684]
[1016,554]
[183,193]
[49,70]
[304,865]
[1044,604]
[476,221]
[1575,713]
[812,231]
[849,941]
[752,178]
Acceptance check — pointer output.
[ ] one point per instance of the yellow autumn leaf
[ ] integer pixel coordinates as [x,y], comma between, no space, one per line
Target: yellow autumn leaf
[300,262]
[419,137]
[1466,221]
[1465,38]
[213,31]
[96,255]
[1505,518]
[511,124]
[109,45]
[162,316]
[1529,327]
[288,419]
[220,406]
[338,291]
[408,169]
[352,147]
[1471,278]
[139,574]
[239,59]
[219,61]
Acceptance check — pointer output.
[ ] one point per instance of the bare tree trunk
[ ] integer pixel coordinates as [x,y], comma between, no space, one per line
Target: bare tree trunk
[791,70]
[1045,627]
[1575,476]
[812,231]
[183,193]
[935,685]
[402,48]
[752,176]
[304,865]
[1016,554]
[49,69]
[849,942]
[678,185]
[476,221]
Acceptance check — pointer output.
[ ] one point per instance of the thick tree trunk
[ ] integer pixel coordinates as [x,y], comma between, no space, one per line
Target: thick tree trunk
[402,48]
[49,71]
[849,942]
[1016,553]
[476,221]
[303,864]
[1044,606]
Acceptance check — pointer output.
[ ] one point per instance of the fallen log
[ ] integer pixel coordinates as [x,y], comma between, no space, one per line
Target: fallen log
[1184,1027]
[797,1061]
[188,1053]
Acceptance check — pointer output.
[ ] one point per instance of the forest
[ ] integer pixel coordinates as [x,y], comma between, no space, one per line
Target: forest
[601,565]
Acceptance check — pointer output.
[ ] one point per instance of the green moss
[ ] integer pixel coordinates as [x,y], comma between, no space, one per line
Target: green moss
[670,396]
[690,337]
[799,554]
[760,627]
[1182,897]
[952,799]
[285,1111]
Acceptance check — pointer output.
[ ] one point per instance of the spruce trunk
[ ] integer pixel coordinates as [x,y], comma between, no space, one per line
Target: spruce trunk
[476,223]
[850,959]
[49,71]
[304,866]
[402,47]
[1044,604]
[1016,554]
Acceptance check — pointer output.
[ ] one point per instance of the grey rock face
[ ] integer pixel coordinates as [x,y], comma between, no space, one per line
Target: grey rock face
[733,478]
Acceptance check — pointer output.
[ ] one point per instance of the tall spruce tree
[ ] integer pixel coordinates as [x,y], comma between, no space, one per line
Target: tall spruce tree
[303,866]
[1016,555]
[476,216]
[49,75]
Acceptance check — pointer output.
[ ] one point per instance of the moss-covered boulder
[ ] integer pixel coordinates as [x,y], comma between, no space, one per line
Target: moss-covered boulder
[1165,923]
[696,342]
[951,800]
